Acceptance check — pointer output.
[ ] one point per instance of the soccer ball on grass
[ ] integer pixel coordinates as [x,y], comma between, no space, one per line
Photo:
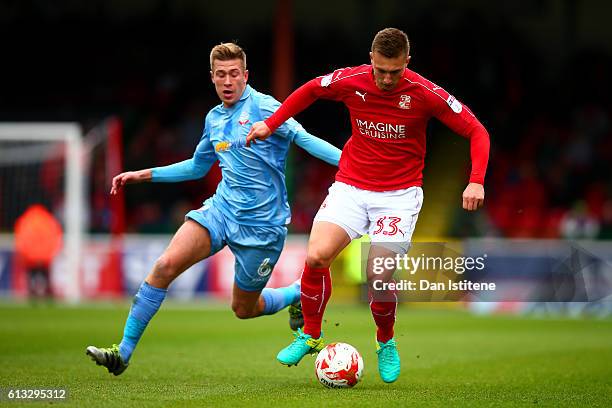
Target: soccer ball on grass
[339,365]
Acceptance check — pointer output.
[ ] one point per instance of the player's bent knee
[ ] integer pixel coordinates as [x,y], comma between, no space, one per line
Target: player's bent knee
[243,312]
[165,269]
[317,258]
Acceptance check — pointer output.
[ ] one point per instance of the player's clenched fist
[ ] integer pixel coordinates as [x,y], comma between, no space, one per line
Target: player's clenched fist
[473,197]
[259,131]
[129,177]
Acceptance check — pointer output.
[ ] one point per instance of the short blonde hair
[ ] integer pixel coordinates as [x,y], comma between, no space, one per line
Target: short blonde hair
[227,51]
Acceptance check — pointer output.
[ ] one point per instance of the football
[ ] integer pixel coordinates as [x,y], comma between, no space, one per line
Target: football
[339,365]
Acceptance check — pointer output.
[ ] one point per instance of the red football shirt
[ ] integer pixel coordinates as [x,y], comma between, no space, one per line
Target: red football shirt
[386,150]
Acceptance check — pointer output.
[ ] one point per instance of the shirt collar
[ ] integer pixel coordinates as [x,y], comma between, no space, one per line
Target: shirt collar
[245,94]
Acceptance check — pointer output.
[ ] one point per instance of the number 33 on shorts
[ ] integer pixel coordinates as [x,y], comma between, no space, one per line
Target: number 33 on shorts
[388,225]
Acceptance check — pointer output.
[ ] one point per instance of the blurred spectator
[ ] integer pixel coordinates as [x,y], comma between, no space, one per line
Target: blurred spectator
[38,239]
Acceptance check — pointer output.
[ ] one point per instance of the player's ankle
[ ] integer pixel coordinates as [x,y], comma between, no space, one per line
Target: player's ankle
[314,333]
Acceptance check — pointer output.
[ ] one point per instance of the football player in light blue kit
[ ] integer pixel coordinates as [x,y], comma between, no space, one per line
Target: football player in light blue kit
[248,212]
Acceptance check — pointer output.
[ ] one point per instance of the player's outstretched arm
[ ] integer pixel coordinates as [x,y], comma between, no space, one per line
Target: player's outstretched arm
[473,197]
[318,148]
[191,169]
[129,177]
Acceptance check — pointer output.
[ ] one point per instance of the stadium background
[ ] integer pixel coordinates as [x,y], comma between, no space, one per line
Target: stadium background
[535,73]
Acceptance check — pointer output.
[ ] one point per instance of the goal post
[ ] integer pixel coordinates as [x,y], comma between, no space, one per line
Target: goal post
[13,138]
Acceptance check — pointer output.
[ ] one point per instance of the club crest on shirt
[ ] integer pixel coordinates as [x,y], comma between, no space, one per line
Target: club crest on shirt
[244,118]
[404,102]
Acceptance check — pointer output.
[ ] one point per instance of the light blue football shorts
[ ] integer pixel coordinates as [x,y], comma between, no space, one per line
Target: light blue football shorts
[256,248]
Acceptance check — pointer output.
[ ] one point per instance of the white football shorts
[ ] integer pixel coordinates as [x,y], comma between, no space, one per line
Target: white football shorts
[388,217]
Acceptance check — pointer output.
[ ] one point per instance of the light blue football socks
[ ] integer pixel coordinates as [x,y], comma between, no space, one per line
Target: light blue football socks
[280,298]
[146,303]
[148,300]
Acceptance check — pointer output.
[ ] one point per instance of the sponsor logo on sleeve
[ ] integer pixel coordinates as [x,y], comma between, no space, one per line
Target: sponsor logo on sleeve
[454,104]
[326,80]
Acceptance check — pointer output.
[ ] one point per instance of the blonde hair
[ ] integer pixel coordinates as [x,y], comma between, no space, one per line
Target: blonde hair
[227,51]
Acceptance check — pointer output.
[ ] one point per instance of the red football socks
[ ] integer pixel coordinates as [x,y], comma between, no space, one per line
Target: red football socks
[316,290]
[383,312]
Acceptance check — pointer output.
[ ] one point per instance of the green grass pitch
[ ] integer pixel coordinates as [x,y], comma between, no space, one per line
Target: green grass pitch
[193,356]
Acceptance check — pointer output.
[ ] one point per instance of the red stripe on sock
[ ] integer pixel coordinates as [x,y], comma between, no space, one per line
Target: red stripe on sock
[316,290]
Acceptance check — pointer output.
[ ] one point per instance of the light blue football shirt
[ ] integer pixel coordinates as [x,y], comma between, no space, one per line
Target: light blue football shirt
[252,189]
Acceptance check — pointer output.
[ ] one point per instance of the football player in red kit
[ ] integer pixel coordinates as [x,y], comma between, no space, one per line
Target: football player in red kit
[378,185]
